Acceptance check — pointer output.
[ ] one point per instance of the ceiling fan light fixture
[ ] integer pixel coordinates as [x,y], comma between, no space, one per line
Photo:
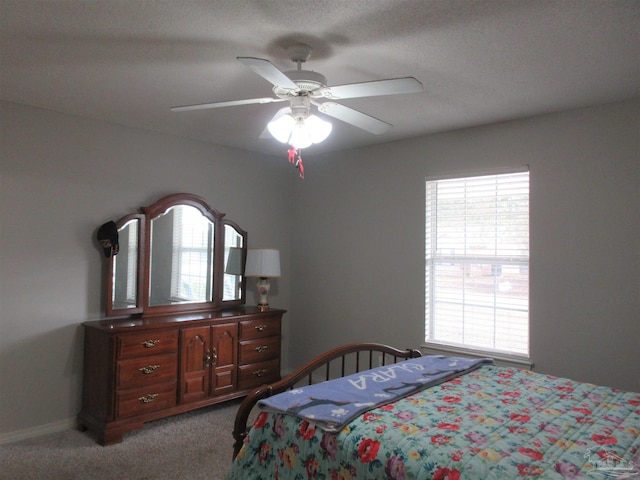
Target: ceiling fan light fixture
[318,129]
[301,132]
[281,128]
[300,136]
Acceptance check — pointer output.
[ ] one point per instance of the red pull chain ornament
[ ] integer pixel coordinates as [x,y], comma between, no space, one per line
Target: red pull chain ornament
[292,154]
[296,159]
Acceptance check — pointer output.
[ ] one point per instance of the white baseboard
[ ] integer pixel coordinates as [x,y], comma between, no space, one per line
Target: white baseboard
[38,431]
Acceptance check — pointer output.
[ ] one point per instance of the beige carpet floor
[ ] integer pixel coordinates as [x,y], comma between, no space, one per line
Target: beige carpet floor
[192,446]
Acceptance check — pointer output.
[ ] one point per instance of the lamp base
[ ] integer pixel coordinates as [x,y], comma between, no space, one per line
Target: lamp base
[263,289]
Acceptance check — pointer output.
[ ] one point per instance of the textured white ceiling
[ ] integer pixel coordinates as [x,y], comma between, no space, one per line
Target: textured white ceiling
[482,61]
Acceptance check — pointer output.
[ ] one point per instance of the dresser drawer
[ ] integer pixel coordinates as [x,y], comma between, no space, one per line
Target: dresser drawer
[143,371]
[265,327]
[147,343]
[259,350]
[257,374]
[145,400]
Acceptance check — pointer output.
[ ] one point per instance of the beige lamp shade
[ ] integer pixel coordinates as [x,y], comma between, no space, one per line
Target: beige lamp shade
[263,262]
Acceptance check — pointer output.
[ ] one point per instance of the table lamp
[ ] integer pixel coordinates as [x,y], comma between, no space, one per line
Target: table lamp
[263,263]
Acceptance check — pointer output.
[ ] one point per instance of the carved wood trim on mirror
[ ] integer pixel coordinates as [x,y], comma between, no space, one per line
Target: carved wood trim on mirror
[178,255]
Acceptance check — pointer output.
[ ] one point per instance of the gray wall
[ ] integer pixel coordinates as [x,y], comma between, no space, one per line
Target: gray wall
[351,237]
[358,241]
[62,177]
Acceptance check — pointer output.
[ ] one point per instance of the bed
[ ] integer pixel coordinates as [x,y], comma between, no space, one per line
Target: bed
[480,422]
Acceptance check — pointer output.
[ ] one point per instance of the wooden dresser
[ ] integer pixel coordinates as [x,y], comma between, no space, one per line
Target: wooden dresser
[142,369]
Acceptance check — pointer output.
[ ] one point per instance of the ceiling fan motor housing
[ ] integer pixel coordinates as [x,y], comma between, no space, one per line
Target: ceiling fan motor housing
[300,107]
[307,82]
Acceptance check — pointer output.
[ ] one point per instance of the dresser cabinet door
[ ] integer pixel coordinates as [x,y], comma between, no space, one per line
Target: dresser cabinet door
[208,361]
[195,363]
[225,341]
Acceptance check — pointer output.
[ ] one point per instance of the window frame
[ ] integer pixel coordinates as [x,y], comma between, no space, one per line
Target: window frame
[440,346]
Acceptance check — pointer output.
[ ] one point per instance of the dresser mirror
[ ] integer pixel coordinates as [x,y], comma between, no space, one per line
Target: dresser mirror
[123,280]
[235,256]
[185,275]
[178,255]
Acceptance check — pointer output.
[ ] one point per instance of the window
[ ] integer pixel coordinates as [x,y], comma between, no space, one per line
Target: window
[477,262]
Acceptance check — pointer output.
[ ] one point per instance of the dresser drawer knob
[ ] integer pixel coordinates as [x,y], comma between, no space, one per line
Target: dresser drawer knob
[149,369]
[150,343]
[262,348]
[260,373]
[261,328]
[148,398]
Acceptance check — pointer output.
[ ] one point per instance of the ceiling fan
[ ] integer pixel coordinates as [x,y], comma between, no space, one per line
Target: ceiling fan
[302,89]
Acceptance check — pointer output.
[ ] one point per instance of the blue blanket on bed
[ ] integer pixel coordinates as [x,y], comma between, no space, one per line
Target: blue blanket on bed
[334,403]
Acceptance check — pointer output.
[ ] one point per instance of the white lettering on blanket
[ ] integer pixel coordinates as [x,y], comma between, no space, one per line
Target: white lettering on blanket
[381,376]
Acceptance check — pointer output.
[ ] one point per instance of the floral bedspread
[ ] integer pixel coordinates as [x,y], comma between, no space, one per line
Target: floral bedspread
[492,423]
[332,405]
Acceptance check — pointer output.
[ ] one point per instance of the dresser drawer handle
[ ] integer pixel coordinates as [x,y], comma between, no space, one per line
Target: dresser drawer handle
[260,373]
[148,398]
[149,369]
[210,357]
[262,348]
[260,328]
[150,343]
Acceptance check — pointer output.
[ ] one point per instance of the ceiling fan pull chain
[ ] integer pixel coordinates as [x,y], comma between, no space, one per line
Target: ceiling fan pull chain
[300,166]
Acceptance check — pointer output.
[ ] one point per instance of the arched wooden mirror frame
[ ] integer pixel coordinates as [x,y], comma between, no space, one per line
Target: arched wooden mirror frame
[221,272]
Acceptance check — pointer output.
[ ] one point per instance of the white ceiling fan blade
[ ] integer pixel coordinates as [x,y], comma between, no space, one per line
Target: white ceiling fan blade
[269,72]
[371,89]
[232,103]
[354,117]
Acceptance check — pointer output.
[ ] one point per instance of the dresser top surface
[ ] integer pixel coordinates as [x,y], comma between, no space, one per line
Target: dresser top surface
[158,321]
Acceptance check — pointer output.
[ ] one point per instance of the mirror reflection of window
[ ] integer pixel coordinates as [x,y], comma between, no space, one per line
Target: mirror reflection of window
[233,261]
[186,276]
[125,267]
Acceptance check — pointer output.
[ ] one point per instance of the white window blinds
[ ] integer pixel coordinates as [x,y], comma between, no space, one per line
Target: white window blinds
[192,269]
[477,262]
